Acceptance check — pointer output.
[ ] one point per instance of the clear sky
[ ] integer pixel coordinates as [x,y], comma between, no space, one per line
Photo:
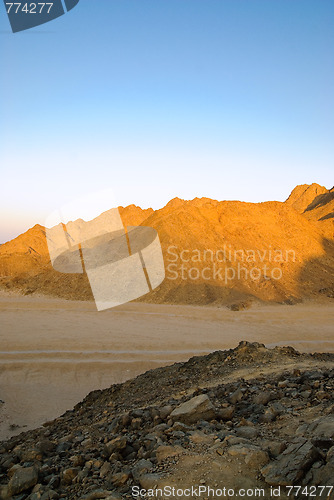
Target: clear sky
[230,99]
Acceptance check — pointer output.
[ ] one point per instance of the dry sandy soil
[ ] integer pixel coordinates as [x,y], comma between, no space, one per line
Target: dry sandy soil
[53,351]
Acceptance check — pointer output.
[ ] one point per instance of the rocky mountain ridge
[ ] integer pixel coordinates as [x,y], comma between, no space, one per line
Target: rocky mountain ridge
[295,237]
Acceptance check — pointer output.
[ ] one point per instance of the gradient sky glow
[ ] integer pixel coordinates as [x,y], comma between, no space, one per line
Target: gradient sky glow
[230,99]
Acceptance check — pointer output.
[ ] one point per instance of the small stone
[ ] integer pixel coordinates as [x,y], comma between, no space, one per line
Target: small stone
[87,443]
[262,398]
[247,432]
[165,411]
[136,423]
[226,413]
[330,455]
[31,455]
[320,395]
[45,446]
[69,474]
[105,469]
[119,479]
[276,448]
[236,396]
[77,460]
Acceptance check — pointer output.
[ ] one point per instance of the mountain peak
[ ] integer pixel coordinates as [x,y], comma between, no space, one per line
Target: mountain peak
[175,202]
[303,195]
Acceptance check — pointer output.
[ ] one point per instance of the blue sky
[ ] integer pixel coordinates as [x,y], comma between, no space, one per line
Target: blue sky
[230,99]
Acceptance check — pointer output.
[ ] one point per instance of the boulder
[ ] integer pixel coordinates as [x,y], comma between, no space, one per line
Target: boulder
[291,465]
[197,408]
[23,479]
[116,444]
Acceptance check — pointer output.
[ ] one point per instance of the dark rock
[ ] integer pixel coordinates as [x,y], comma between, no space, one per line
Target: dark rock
[45,446]
[141,467]
[236,396]
[136,423]
[330,455]
[54,482]
[324,476]
[263,398]
[247,432]
[291,466]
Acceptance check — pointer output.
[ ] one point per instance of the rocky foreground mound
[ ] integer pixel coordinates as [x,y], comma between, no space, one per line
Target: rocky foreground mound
[249,417]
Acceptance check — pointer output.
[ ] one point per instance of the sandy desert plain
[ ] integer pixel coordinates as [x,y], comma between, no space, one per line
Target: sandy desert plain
[54,351]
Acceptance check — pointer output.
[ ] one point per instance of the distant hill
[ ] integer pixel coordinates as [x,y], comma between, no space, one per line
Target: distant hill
[292,241]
